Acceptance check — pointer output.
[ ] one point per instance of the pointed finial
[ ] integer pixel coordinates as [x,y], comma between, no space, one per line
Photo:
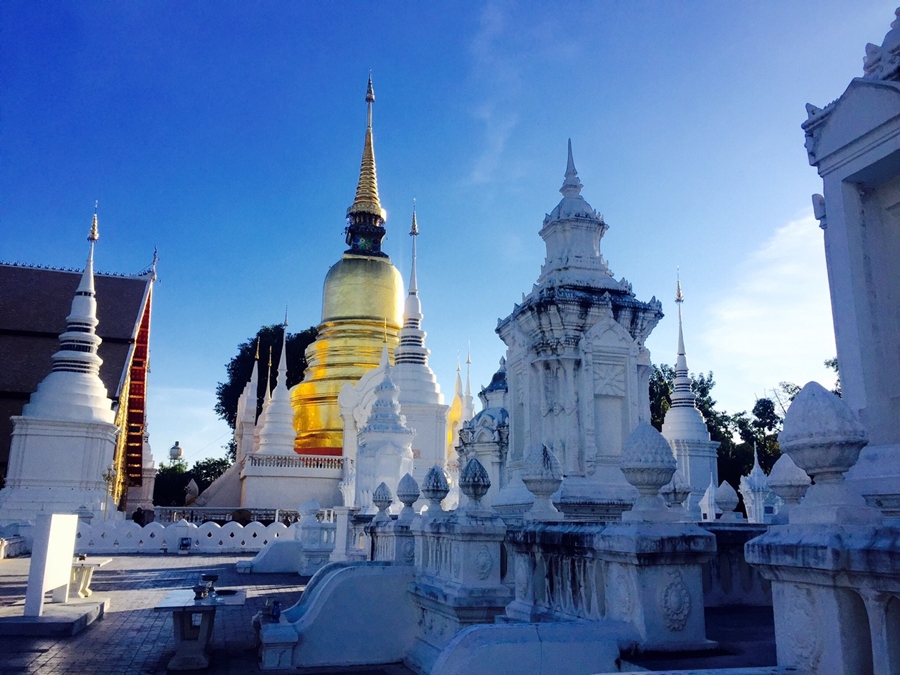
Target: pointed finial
[458,369]
[414,231]
[468,369]
[256,358]
[571,186]
[679,297]
[366,205]
[95,232]
[285,318]
[154,263]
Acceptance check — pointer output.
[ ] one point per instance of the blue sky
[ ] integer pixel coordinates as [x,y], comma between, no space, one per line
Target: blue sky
[229,135]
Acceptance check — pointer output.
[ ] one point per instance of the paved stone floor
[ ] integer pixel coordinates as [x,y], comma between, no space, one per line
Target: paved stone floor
[133,638]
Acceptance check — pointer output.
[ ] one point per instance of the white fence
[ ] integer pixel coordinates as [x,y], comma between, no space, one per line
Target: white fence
[129,537]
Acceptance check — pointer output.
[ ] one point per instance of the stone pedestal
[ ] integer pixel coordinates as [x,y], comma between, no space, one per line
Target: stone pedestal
[457,580]
[654,581]
[836,594]
[342,533]
[78,452]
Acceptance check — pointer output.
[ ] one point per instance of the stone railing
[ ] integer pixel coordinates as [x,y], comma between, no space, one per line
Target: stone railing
[129,537]
[558,576]
[203,514]
[295,461]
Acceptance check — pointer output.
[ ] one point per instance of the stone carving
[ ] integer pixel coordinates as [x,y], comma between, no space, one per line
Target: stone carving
[456,555]
[609,379]
[522,577]
[382,498]
[484,563]
[407,493]
[675,601]
[409,551]
[727,500]
[474,483]
[648,464]
[543,476]
[824,438]
[802,624]
[621,589]
[434,489]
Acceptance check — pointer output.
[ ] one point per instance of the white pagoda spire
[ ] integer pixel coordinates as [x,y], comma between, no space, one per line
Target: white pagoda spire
[276,437]
[685,429]
[682,396]
[468,404]
[411,349]
[245,420]
[73,390]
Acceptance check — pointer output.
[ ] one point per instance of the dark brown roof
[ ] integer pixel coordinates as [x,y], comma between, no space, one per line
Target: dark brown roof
[34,303]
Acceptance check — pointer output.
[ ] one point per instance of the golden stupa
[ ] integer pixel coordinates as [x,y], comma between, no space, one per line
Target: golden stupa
[362,309]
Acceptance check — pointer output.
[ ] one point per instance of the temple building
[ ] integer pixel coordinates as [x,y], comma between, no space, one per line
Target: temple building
[362,309]
[578,370]
[66,411]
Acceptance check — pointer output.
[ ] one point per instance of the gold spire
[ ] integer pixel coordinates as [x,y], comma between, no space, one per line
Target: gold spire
[366,200]
[95,232]
[257,348]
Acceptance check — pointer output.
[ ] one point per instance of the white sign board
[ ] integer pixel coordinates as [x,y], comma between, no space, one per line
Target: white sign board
[51,560]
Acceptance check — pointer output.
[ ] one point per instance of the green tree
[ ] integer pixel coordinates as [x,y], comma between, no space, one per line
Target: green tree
[833,364]
[205,471]
[241,366]
[735,433]
[171,479]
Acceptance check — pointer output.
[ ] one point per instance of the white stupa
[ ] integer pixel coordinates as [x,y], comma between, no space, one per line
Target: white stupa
[64,441]
[276,433]
[685,430]
[385,446]
[421,400]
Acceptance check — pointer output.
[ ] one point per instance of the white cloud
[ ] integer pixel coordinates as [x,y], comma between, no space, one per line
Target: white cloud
[773,323]
[186,415]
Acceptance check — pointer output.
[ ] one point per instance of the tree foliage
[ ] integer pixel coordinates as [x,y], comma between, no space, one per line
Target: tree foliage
[736,433]
[172,479]
[241,366]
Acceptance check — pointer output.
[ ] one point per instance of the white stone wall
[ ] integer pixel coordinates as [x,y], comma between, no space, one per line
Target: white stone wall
[128,537]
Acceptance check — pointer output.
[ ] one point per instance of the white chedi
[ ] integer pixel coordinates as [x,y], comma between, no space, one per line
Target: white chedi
[709,510]
[276,433]
[677,490]
[385,446]
[759,500]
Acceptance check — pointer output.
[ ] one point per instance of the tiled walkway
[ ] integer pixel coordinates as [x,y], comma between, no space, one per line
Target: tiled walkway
[133,638]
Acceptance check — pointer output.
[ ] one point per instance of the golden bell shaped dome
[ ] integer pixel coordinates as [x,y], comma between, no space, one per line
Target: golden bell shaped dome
[362,309]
